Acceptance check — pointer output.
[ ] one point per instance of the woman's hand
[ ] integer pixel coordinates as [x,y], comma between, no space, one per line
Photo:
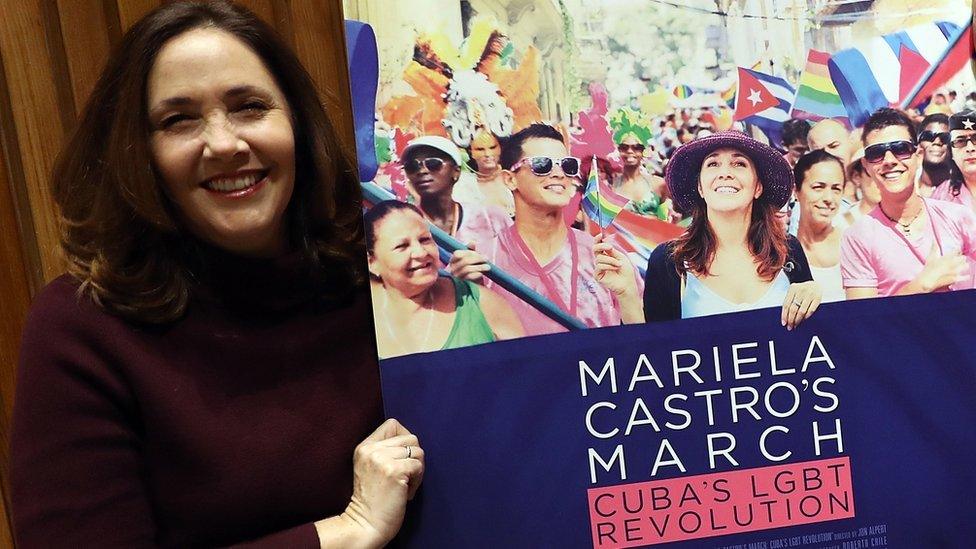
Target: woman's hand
[388,467]
[468,264]
[802,299]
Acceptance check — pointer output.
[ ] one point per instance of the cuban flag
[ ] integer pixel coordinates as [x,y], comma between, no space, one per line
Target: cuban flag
[764,101]
[883,71]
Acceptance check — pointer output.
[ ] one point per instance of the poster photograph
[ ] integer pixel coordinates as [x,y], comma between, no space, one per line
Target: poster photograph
[680,274]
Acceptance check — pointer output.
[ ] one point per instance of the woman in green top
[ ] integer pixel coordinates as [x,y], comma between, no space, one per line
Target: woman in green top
[416,310]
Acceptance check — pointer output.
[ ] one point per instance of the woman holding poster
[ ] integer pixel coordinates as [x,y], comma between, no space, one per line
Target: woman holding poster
[204,375]
[417,310]
[736,255]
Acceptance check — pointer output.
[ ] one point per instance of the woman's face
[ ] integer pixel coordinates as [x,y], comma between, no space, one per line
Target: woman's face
[728,181]
[222,141]
[404,254]
[631,151]
[485,151]
[821,192]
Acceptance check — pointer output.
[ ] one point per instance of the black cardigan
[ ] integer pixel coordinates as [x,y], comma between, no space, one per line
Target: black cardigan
[662,285]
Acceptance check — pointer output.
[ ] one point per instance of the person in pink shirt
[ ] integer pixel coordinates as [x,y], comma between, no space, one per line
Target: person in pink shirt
[583,276]
[908,244]
[962,172]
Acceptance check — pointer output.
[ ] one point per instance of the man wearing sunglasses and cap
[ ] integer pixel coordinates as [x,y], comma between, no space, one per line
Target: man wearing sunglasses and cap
[432,165]
[583,276]
[908,244]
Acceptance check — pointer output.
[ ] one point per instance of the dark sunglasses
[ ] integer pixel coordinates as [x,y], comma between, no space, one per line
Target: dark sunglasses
[542,165]
[931,136]
[624,147]
[432,164]
[960,141]
[901,149]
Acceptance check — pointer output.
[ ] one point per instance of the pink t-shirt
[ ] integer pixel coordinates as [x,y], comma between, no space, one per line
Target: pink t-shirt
[875,254]
[944,192]
[965,198]
[595,305]
[481,224]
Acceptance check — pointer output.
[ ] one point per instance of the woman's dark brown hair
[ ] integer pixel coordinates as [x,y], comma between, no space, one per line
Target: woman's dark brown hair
[123,238]
[694,250]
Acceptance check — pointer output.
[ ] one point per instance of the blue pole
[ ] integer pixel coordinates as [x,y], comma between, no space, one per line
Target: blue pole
[448,245]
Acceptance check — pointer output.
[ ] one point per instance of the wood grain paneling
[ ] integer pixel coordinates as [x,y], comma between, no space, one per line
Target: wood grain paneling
[86,46]
[130,11]
[14,299]
[319,40]
[31,78]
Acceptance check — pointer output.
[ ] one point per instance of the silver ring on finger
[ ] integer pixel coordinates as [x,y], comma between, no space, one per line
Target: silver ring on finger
[796,303]
[409,452]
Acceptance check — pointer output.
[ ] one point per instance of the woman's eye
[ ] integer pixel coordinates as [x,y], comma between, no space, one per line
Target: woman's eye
[711,164]
[174,120]
[253,107]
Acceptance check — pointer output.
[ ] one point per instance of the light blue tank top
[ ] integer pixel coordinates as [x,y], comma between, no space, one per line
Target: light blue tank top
[699,300]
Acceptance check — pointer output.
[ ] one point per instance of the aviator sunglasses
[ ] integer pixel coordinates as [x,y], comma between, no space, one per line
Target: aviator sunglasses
[901,149]
[543,165]
[432,164]
[931,136]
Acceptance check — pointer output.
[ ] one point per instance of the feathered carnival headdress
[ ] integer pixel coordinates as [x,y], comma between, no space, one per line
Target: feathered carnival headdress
[459,92]
[628,122]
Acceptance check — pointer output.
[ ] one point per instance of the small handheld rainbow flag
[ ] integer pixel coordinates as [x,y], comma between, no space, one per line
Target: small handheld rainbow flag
[600,202]
[683,91]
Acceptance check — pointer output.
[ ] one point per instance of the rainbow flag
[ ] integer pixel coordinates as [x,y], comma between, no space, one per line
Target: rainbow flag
[638,235]
[600,202]
[817,97]
[682,91]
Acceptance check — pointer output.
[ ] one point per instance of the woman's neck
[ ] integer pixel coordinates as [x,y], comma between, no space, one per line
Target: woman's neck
[811,232]
[489,175]
[411,301]
[731,228]
[631,172]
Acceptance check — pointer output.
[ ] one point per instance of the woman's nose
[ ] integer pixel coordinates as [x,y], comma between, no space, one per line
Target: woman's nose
[221,140]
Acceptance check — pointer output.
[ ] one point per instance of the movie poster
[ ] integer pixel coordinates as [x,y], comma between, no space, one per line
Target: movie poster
[658,273]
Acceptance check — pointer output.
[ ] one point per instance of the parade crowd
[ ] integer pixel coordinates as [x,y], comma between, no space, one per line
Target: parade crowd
[827,214]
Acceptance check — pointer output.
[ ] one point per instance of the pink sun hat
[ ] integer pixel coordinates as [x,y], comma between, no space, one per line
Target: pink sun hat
[684,168]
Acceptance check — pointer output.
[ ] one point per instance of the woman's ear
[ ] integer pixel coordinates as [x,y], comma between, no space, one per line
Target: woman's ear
[371,264]
[759,189]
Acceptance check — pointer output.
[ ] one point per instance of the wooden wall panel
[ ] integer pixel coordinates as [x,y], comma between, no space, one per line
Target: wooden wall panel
[86,46]
[130,11]
[38,128]
[319,40]
[14,299]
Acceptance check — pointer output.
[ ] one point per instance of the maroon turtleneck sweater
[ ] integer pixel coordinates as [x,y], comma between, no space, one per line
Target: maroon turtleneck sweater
[231,425]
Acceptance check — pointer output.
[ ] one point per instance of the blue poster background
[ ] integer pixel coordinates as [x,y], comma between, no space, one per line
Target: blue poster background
[503,426]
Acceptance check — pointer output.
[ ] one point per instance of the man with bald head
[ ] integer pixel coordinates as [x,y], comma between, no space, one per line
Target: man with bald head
[832,136]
